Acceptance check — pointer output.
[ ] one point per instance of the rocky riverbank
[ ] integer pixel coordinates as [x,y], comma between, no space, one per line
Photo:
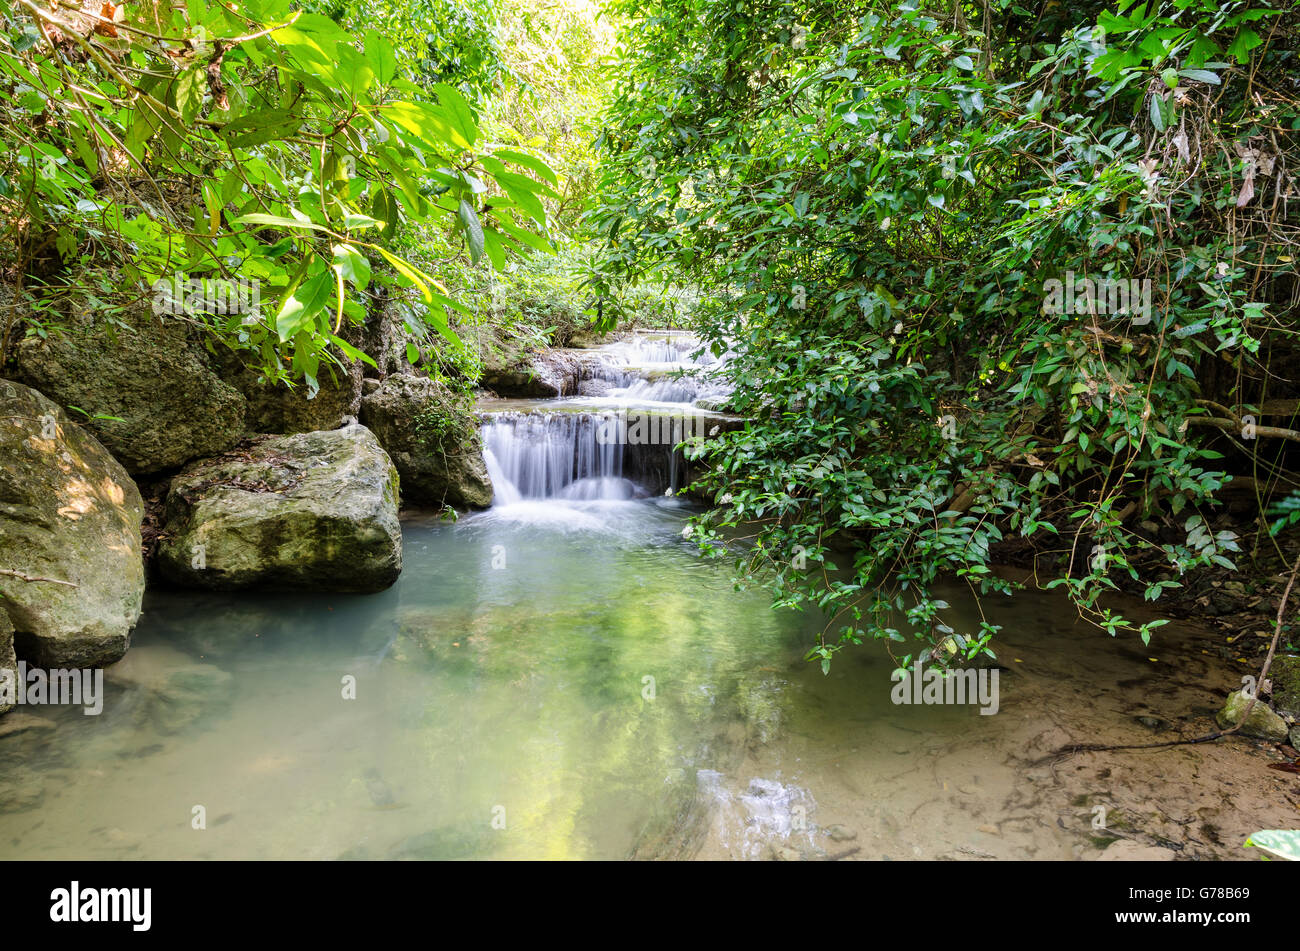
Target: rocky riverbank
[140,456]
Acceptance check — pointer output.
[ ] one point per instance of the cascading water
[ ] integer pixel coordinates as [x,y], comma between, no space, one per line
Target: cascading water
[553,455]
[561,455]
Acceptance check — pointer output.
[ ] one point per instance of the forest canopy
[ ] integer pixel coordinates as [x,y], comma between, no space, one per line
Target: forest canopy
[890,200]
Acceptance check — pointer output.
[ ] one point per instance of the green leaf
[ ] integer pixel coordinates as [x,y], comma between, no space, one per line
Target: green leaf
[529,162]
[461,114]
[190,86]
[430,123]
[380,56]
[278,221]
[472,228]
[1157,113]
[522,235]
[260,127]
[1284,843]
[1245,41]
[494,245]
[353,265]
[384,208]
[527,202]
[304,304]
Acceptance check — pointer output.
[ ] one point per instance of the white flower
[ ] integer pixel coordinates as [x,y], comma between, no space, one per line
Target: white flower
[688,531]
[725,500]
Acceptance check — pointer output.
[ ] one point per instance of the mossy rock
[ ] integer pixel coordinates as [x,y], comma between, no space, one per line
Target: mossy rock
[68,512]
[1262,722]
[430,474]
[1285,674]
[311,511]
[171,405]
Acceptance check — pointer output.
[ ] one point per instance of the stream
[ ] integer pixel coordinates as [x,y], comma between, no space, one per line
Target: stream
[562,676]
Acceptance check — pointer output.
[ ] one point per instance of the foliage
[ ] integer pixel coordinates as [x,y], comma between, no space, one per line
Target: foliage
[265,144]
[881,196]
[434,41]
[442,428]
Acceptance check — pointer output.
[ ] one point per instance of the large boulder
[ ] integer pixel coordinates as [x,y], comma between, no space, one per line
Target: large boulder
[171,406]
[69,513]
[432,474]
[313,511]
[544,375]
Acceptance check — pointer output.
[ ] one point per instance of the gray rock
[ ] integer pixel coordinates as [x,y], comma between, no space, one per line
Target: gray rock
[68,512]
[841,834]
[431,474]
[312,511]
[1262,722]
[172,407]
[542,375]
[273,407]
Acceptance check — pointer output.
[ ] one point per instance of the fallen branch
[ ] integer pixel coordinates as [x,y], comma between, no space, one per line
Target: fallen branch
[1230,426]
[22,577]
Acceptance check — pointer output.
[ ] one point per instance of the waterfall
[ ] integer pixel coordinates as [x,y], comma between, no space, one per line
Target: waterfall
[553,455]
[532,454]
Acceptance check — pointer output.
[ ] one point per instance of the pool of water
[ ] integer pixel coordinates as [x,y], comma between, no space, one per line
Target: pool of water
[535,678]
[570,680]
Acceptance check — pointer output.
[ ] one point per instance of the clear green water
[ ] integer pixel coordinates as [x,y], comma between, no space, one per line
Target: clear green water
[500,711]
[504,712]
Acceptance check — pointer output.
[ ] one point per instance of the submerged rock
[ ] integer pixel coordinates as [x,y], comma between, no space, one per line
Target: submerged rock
[25,723]
[1126,850]
[68,512]
[172,406]
[838,833]
[167,690]
[312,511]
[21,789]
[396,412]
[1262,722]
[447,842]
